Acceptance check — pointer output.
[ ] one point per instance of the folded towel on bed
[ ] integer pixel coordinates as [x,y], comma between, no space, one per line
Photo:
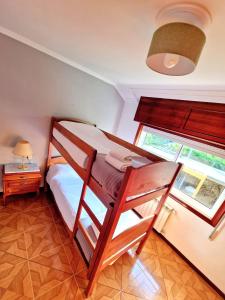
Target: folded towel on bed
[122,154]
[118,164]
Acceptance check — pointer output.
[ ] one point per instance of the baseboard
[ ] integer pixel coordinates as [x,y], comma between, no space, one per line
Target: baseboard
[193,266]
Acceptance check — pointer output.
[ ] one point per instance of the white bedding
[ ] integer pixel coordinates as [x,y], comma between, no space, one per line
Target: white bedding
[89,134]
[66,186]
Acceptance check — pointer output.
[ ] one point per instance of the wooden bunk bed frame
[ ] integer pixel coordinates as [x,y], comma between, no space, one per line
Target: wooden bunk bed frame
[157,178]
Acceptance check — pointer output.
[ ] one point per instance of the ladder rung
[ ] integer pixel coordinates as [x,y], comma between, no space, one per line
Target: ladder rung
[86,235]
[92,215]
[111,259]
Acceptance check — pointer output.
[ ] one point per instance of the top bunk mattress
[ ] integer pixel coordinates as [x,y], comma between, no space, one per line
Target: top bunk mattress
[106,175]
[89,134]
[109,177]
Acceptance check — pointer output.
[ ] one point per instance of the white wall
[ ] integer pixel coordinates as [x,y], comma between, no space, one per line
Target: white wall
[34,87]
[127,128]
[188,233]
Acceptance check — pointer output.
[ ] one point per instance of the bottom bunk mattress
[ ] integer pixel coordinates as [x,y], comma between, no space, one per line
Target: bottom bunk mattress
[66,186]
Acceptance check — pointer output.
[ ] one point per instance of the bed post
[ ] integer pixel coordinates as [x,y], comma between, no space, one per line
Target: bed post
[49,153]
[111,220]
[157,211]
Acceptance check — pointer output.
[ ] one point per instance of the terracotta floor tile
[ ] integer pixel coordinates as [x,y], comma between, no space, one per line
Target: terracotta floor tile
[27,202]
[125,296]
[55,213]
[81,279]
[75,259]
[29,222]
[10,218]
[7,259]
[55,258]
[45,278]
[41,239]
[176,291]
[150,264]
[165,251]
[102,292]
[136,282]
[112,276]
[154,236]
[9,295]
[178,273]
[12,241]
[129,259]
[18,204]
[64,235]
[68,290]
[43,213]
[198,283]
[25,220]
[150,247]
[15,280]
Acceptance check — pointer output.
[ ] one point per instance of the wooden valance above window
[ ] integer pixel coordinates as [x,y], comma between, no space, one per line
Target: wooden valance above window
[200,121]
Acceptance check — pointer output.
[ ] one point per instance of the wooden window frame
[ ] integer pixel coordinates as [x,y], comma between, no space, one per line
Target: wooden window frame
[217,216]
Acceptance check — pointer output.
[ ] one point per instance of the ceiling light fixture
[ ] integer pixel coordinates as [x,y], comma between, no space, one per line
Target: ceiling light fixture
[179,39]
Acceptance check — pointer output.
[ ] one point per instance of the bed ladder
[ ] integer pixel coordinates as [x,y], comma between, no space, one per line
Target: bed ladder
[108,248]
[108,203]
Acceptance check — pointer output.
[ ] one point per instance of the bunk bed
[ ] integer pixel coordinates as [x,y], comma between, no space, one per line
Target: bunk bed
[97,202]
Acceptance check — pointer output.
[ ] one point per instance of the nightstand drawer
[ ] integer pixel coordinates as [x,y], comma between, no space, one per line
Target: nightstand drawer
[19,177]
[22,185]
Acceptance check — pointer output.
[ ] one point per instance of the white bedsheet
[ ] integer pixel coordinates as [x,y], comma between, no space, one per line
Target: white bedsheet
[89,134]
[66,186]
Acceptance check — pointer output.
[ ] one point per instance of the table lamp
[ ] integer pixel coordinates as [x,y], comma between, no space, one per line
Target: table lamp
[23,149]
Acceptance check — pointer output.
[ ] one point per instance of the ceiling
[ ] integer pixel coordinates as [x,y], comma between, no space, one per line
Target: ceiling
[110,39]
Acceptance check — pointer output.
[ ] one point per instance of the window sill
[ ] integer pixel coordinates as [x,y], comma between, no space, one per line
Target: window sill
[215,219]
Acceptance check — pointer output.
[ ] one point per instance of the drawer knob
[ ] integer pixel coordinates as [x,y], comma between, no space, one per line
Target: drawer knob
[21,177]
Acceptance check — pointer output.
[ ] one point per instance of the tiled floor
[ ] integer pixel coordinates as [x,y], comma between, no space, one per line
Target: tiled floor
[38,261]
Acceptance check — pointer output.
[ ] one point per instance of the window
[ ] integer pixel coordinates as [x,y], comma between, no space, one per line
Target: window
[201,181]
[159,145]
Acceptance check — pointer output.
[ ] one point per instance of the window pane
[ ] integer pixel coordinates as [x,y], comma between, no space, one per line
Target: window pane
[159,145]
[202,176]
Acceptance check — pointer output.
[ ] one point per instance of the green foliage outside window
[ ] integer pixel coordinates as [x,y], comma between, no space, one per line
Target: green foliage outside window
[205,158]
[205,191]
[161,143]
[169,146]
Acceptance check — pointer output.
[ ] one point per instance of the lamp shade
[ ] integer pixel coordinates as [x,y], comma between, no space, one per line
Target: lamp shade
[175,48]
[23,148]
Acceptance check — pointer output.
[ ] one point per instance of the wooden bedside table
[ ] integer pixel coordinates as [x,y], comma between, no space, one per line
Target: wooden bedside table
[18,181]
